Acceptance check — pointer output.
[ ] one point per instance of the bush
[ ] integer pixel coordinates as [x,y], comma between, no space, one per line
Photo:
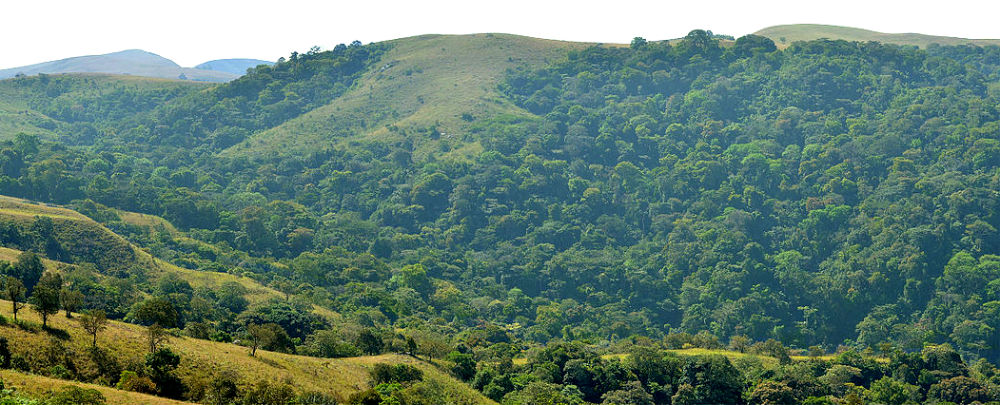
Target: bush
[398,373]
[366,397]
[222,390]
[72,395]
[130,381]
[464,365]
[265,393]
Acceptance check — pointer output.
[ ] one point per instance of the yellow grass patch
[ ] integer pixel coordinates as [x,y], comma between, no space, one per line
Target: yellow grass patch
[39,387]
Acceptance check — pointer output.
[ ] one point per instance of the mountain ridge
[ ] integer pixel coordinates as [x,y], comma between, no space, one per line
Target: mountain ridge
[135,62]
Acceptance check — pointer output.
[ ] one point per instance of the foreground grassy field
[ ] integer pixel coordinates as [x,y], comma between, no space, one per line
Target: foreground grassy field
[201,359]
[784,35]
[36,386]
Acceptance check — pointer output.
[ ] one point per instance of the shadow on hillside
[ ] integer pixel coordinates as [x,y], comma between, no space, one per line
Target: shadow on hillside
[32,327]
[56,333]
[26,326]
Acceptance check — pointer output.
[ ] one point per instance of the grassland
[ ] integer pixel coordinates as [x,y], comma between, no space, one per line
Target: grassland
[427,81]
[36,386]
[784,35]
[201,358]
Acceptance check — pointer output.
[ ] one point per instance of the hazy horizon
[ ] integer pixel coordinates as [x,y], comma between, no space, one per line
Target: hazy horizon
[190,32]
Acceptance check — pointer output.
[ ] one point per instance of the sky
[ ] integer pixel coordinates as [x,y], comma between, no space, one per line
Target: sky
[191,32]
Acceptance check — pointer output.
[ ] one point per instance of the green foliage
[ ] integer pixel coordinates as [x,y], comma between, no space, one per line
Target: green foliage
[28,269]
[157,311]
[45,296]
[383,373]
[73,395]
[268,393]
[370,342]
[890,391]
[463,365]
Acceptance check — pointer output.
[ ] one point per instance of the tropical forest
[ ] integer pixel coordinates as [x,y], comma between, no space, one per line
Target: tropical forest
[498,219]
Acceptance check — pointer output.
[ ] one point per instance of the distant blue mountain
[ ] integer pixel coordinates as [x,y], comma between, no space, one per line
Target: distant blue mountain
[133,62]
[234,66]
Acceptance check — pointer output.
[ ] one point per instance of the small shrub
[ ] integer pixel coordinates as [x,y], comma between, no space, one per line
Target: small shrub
[366,397]
[73,395]
[265,393]
[398,373]
[58,371]
[130,381]
[222,390]
[19,363]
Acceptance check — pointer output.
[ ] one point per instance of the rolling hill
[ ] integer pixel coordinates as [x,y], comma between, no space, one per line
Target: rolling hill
[784,35]
[133,62]
[439,81]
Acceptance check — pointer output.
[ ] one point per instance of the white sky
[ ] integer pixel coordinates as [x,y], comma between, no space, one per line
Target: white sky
[194,31]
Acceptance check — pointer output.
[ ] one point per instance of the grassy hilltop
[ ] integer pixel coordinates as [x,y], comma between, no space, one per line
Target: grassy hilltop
[439,82]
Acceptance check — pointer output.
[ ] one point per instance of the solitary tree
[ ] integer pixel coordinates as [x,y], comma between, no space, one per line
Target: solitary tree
[257,336]
[14,292]
[155,336]
[71,300]
[93,322]
[45,297]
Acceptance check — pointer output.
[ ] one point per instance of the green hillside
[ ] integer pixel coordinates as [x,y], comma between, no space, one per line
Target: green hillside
[49,106]
[425,83]
[784,35]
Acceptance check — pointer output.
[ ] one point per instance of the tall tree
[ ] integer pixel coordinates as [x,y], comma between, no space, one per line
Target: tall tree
[45,297]
[71,301]
[93,322]
[257,336]
[14,292]
[155,336]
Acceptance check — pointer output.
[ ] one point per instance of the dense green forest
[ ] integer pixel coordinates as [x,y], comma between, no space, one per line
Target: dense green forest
[830,197]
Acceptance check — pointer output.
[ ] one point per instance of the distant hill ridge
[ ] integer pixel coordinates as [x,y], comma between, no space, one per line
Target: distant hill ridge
[234,66]
[137,62]
[784,35]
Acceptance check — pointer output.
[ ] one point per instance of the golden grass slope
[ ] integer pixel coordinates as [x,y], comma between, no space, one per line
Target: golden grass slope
[784,35]
[423,81]
[36,386]
[200,359]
